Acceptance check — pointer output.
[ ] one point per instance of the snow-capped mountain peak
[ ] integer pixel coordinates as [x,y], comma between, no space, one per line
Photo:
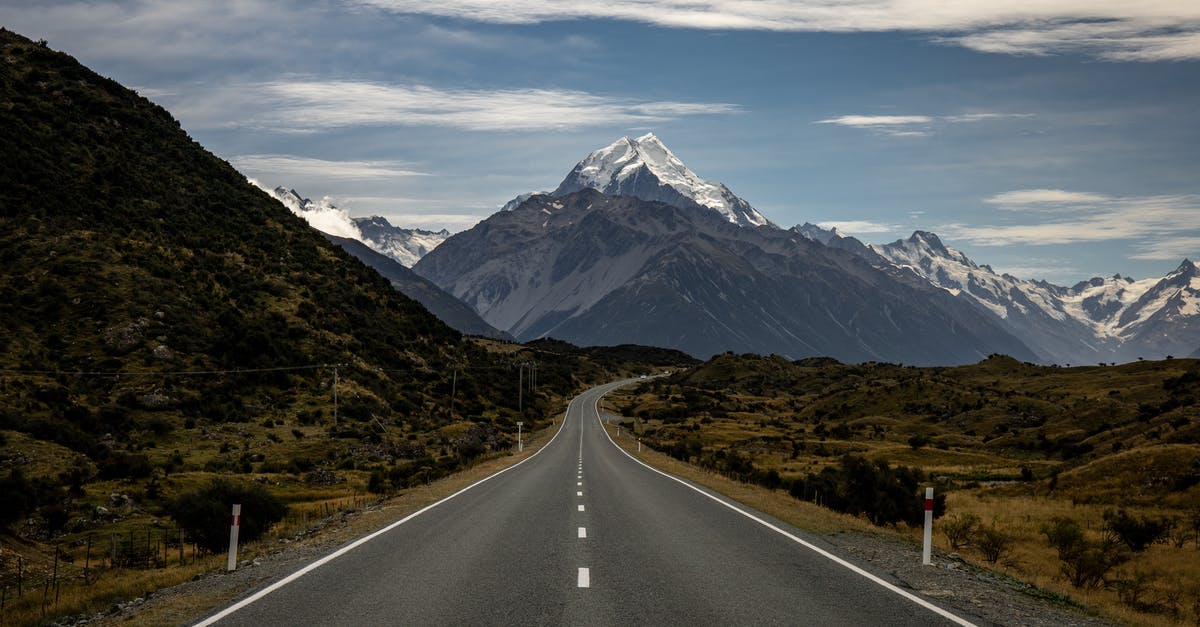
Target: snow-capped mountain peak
[645,168]
[406,246]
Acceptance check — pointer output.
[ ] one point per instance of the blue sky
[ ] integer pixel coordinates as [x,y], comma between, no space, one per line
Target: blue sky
[1052,139]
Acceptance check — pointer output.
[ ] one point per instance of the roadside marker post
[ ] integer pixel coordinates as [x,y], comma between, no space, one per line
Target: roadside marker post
[639,445]
[234,524]
[520,446]
[928,540]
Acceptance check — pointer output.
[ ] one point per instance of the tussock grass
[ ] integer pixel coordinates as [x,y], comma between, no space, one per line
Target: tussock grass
[1016,444]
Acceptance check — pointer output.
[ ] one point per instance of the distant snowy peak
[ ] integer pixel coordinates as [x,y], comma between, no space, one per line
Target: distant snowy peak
[815,233]
[1175,295]
[1098,319]
[922,245]
[322,214]
[406,246]
[645,168]
[516,202]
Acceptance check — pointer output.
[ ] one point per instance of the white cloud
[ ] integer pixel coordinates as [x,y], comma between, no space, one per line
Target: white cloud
[322,215]
[871,121]
[1147,30]
[453,222]
[979,117]
[1146,220]
[912,125]
[1040,199]
[290,168]
[1169,249]
[858,226]
[308,106]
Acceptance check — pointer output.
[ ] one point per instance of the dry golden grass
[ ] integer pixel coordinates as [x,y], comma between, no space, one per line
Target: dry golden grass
[994,432]
[798,513]
[186,606]
[1174,572]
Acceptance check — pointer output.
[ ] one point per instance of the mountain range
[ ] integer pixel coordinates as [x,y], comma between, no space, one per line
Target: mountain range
[1113,319]
[390,251]
[406,246]
[634,245]
[593,269]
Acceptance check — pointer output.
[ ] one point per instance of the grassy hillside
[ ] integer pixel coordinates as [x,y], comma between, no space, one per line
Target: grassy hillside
[1014,444]
[163,323]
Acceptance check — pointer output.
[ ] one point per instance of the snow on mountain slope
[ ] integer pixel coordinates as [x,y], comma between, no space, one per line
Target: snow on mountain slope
[406,246]
[645,168]
[1103,319]
[321,215]
[595,269]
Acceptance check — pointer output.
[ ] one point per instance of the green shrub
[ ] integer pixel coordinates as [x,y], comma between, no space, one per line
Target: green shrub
[883,494]
[1084,562]
[1136,533]
[205,512]
[960,530]
[993,543]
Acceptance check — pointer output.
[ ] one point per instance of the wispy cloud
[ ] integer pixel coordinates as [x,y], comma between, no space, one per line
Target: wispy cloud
[912,125]
[307,106]
[862,227]
[1169,249]
[872,121]
[1044,199]
[981,117]
[288,167]
[1160,226]
[1150,30]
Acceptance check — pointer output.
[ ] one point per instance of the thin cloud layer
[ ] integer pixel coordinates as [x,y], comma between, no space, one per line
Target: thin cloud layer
[1118,30]
[313,106]
[862,227]
[912,125]
[1161,227]
[288,167]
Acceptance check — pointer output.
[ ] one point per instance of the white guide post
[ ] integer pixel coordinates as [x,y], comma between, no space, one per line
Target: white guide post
[520,446]
[234,524]
[928,540]
[639,445]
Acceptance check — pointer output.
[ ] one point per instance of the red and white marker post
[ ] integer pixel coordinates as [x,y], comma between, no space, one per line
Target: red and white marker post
[234,524]
[928,526]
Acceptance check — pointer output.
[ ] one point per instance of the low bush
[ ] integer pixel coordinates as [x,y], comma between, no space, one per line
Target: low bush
[205,513]
[1085,562]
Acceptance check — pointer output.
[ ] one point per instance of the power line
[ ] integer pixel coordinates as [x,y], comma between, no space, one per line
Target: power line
[86,373]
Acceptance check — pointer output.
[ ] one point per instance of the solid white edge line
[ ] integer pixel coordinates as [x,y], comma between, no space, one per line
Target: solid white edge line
[585,578]
[365,539]
[818,550]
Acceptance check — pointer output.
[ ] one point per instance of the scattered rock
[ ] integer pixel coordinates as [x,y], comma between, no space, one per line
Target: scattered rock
[163,353]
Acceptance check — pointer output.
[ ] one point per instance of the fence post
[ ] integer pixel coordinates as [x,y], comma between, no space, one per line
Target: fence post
[234,523]
[925,551]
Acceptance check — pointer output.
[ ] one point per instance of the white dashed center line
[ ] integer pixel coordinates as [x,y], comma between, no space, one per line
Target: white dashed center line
[580,483]
[582,532]
[581,508]
[585,578]
[578,493]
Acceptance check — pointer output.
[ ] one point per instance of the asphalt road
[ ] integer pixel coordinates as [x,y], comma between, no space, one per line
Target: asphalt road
[582,534]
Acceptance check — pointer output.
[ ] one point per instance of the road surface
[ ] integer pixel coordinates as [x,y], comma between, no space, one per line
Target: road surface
[582,534]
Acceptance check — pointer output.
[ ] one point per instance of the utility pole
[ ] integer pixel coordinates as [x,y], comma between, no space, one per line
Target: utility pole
[335,398]
[521,389]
